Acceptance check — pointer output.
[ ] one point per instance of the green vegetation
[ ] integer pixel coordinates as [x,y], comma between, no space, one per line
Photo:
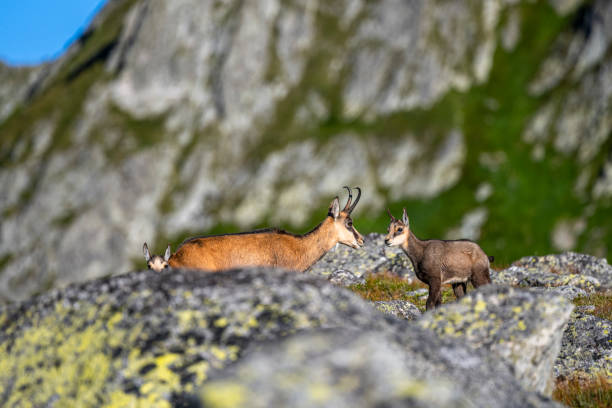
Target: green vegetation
[386,286]
[595,393]
[602,302]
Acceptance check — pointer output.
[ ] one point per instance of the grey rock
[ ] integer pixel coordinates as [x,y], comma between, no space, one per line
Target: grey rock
[145,336]
[343,277]
[586,349]
[399,308]
[14,86]
[569,292]
[523,327]
[229,96]
[579,54]
[536,276]
[570,263]
[419,292]
[355,264]
[347,368]
[585,309]
[163,336]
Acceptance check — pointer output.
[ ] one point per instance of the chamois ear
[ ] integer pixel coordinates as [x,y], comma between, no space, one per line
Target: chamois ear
[334,208]
[405,218]
[167,254]
[145,250]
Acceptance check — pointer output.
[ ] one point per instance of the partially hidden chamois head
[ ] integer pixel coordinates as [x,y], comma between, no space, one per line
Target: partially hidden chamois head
[346,232]
[156,262]
[399,230]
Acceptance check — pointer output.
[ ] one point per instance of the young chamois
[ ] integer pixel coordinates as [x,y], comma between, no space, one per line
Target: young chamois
[437,262]
[271,247]
[156,262]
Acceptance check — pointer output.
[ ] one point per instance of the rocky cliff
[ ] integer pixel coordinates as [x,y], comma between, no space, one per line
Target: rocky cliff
[486,119]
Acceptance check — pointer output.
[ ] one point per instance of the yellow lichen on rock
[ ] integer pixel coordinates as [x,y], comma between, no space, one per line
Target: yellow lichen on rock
[224,395]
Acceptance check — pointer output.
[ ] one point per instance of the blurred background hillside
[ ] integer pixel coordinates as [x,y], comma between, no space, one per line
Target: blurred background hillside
[489,120]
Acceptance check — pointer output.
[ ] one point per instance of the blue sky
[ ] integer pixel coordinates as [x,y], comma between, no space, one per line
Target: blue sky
[33,31]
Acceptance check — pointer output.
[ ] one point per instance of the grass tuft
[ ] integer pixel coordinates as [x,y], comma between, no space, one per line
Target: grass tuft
[387,286]
[602,302]
[595,393]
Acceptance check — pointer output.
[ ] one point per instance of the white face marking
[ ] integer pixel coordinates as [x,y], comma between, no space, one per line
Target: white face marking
[397,240]
[397,234]
[157,263]
[346,235]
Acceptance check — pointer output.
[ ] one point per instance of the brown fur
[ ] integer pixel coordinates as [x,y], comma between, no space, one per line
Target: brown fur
[275,248]
[437,262]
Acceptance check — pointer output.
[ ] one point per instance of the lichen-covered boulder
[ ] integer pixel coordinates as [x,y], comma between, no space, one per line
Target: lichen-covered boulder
[399,308]
[586,348]
[569,292]
[346,266]
[522,326]
[152,338]
[348,368]
[344,277]
[570,263]
[533,276]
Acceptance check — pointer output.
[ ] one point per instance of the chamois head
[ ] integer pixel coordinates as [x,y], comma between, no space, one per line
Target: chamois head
[399,230]
[156,262]
[346,232]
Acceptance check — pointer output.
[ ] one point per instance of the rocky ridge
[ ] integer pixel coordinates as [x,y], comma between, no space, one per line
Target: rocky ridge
[169,338]
[168,119]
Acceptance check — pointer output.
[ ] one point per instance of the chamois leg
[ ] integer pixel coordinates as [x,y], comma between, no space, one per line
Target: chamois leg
[460,289]
[435,294]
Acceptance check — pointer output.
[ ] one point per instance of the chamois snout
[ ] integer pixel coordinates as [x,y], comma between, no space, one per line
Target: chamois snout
[360,241]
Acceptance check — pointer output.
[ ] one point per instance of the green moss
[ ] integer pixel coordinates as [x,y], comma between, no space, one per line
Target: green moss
[5,260]
[136,134]
[66,218]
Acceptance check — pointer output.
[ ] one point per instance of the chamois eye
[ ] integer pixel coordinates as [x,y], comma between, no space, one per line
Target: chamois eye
[166,266]
[349,223]
[400,229]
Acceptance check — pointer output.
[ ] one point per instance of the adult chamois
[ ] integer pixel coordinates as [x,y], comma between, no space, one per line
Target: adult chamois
[271,247]
[437,262]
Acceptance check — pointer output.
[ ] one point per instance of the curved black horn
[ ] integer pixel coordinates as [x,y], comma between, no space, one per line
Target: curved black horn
[356,200]
[350,198]
[390,215]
